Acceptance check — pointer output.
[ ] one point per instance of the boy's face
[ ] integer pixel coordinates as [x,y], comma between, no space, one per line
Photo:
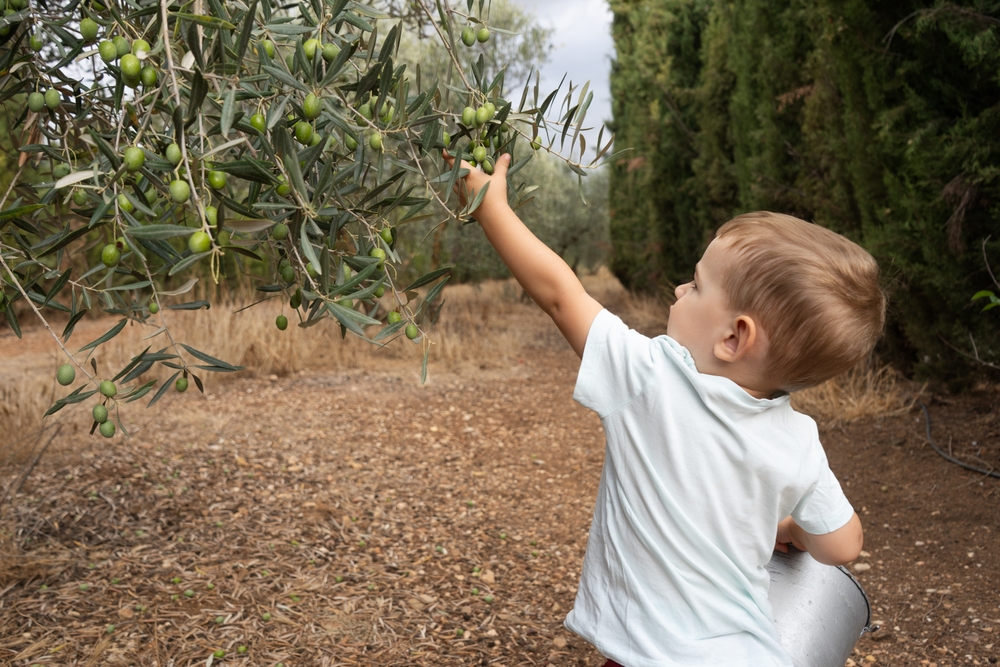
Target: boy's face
[701,317]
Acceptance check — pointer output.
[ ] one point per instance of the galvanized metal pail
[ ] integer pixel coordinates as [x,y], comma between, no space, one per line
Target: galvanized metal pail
[821,611]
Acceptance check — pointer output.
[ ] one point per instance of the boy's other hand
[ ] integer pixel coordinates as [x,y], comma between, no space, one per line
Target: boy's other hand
[786,535]
[476,179]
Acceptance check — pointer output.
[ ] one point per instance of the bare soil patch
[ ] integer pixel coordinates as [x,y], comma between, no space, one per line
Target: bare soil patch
[359,518]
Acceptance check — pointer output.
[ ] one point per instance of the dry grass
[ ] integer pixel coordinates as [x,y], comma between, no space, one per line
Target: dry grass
[483,327]
[23,401]
[859,393]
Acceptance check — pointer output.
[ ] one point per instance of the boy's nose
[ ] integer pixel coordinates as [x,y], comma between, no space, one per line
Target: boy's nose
[680,290]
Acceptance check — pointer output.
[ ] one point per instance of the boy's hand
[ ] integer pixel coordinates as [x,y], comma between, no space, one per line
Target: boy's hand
[786,529]
[476,179]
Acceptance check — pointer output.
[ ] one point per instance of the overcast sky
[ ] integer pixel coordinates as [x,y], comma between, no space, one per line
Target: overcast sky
[583,50]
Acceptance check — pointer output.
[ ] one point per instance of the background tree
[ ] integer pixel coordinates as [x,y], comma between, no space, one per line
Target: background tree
[290,145]
[877,120]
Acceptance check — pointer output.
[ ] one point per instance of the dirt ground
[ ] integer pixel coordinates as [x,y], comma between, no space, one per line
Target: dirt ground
[359,518]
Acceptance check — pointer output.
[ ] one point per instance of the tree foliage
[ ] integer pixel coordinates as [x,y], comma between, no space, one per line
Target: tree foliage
[878,120]
[288,143]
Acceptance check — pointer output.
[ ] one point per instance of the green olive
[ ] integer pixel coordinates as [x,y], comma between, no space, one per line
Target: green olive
[107,51]
[174,154]
[283,188]
[310,47]
[36,101]
[330,52]
[180,191]
[199,242]
[130,65]
[148,76]
[134,159]
[125,204]
[111,255]
[312,106]
[52,98]
[66,374]
[122,45]
[217,179]
[88,29]
[303,131]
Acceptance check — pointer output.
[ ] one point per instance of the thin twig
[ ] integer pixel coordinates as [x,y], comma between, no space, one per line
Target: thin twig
[986,261]
[974,357]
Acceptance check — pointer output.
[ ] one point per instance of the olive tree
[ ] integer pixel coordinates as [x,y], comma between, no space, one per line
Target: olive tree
[166,137]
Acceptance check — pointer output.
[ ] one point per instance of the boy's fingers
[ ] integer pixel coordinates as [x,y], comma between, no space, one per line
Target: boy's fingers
[450,159]
[502,165]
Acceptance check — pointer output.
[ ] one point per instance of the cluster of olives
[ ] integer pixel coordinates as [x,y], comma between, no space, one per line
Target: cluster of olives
[134,159]
[129,57]
[470,35]
[477,121]
[288,276]
[65,376]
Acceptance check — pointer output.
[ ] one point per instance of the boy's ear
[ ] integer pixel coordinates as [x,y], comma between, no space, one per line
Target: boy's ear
[739,340]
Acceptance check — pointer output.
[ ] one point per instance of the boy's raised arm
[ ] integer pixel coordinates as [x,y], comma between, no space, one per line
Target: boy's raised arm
[543,274]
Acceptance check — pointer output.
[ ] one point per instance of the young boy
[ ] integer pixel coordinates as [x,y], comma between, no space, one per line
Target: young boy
[707,468]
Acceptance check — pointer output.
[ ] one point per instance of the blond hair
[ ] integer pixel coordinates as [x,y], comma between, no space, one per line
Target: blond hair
[815,294]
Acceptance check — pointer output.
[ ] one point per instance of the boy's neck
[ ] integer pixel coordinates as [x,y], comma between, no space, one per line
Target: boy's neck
[743,376]
[758,393]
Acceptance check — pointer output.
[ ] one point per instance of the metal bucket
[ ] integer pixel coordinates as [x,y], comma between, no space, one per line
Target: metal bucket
[821,611]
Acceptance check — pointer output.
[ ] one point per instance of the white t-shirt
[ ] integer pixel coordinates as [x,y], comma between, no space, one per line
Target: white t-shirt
[697,475]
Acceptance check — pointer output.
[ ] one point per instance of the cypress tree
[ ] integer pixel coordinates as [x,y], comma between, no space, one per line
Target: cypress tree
[878,120]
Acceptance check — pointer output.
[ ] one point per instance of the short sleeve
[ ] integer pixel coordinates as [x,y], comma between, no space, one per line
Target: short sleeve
[616,365]
[824,508]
